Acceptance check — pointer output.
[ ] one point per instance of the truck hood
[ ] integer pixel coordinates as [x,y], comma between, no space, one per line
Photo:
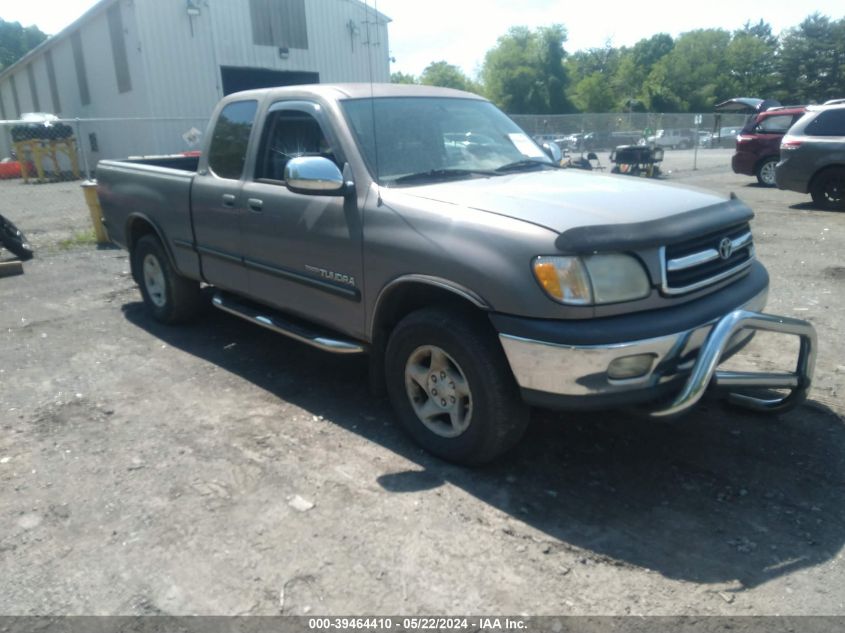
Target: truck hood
[562,200]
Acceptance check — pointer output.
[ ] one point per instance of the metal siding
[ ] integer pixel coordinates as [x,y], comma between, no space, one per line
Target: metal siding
[118,48]
[15,98]
[336,51]
[33,89]
[81,70]
[174,62]
[51,80]
[3,102]
[179,58]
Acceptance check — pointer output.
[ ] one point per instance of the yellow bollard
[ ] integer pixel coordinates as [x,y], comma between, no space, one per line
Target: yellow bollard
[89,188]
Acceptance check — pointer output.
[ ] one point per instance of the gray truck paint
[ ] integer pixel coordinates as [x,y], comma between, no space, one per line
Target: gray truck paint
[335,260]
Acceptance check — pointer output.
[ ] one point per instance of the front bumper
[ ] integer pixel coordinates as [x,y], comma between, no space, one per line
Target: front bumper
[684,364]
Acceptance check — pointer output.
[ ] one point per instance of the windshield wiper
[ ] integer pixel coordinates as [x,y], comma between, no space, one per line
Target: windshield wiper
[437,174]
[523,165]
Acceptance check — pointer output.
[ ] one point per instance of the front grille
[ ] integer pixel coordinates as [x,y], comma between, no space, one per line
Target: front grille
[702,261]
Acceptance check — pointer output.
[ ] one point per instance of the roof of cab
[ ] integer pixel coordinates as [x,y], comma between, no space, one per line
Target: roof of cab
[339,92]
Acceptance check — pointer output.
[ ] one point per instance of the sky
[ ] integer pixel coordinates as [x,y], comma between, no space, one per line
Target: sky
[462,31]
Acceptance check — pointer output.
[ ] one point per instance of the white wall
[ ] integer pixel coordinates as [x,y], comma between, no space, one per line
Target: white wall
[175,71]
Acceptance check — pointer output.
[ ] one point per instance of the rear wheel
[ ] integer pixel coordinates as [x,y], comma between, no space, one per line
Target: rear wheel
[451,387]
[828,189]
[170,297]
[14,240]
[766,172]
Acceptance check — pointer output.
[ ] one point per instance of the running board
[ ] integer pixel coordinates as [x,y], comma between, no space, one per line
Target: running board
[287,326]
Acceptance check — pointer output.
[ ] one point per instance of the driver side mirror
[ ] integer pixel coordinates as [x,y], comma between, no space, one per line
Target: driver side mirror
[553,151]
[314,175]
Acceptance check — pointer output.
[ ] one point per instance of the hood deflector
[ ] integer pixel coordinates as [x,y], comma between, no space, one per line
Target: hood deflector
[660,232]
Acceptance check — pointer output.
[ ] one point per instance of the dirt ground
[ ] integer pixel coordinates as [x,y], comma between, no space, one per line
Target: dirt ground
[222,469]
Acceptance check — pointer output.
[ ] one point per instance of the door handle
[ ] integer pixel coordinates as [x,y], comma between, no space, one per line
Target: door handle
[228,200]
[255,204]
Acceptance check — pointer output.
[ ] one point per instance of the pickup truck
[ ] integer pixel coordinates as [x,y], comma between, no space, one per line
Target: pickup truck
[423,227]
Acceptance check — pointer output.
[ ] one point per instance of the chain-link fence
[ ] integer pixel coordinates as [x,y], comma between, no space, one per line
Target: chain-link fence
[42,148]
[608,130]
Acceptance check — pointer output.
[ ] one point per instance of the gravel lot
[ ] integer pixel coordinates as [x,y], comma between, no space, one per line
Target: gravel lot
[221,469]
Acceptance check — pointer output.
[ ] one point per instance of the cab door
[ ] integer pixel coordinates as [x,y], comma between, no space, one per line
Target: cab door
[217,202]
[302,252]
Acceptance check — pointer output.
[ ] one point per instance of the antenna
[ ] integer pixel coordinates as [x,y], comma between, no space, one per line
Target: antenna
[372,91]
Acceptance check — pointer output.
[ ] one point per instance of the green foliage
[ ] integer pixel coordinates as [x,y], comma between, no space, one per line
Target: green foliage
[402,78]
[812,60]
[529,71]
[525,74]
[16,41]
[447,76]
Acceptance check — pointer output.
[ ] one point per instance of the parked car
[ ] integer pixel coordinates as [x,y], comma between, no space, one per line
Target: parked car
[725,137]
[705,139]
[812,156]
[758,144]
[608,140]
[673,139]
[478,284]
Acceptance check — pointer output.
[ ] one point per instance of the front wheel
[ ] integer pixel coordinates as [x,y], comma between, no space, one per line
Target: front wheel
[828,189]
[451,386]
[170,297]
[766,172]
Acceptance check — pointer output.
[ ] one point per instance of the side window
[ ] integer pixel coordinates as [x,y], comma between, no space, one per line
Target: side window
[777,124]
[230,139]
[829,123]
[290,134]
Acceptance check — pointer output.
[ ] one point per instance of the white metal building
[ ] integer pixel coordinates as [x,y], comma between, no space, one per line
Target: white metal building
[173,59]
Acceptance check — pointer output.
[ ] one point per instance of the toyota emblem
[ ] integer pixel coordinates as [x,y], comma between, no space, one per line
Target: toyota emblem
[726,248]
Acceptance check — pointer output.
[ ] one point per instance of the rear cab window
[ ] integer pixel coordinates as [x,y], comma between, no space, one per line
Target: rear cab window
[230,139]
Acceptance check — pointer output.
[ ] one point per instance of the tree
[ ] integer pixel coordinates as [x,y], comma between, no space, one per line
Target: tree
[16,41]
[447,75]
[750,59]
[693,75]
[524,72]
[811,64]
[402,78]
[594,94]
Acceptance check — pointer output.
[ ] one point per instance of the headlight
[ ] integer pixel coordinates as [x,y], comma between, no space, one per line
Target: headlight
[592,280]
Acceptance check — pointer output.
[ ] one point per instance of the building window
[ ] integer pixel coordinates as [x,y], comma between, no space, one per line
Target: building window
[118,49]
[227,154]
[33,89]
[51,78]
[81,73]
[279,23]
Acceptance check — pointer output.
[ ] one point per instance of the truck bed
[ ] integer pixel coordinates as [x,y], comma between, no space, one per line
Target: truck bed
[155,190]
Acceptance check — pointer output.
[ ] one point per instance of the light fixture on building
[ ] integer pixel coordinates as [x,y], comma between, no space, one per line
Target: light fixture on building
[284,52]
[193,8]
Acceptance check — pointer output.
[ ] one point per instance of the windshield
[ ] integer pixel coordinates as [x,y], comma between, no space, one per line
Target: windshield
[433,138]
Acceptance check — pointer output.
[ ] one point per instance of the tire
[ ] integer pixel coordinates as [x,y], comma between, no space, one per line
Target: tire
[12,238]
[766,172]
[828,189]
[170,297]
[477,415]
[683,145]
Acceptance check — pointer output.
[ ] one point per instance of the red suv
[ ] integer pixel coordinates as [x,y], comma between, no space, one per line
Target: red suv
[758,144]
